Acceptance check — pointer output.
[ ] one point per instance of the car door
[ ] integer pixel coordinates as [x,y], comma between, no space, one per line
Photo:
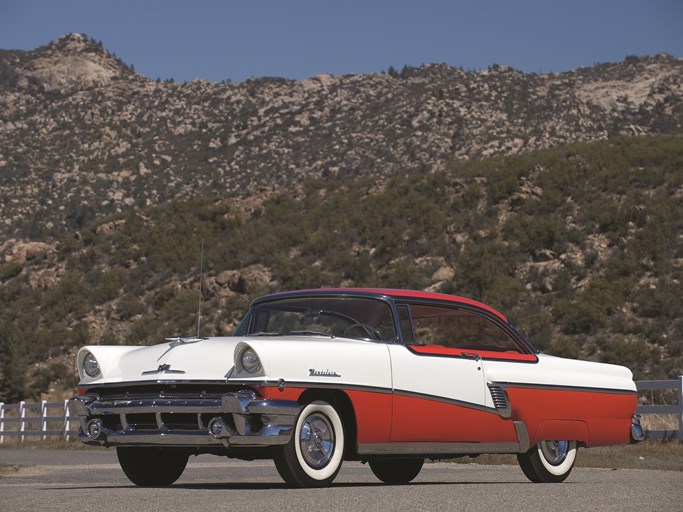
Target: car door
[439,387]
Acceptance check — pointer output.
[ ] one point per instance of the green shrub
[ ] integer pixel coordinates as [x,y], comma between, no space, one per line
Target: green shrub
[10,270]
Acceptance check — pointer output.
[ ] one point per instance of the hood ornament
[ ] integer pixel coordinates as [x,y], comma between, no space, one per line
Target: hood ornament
[182,340]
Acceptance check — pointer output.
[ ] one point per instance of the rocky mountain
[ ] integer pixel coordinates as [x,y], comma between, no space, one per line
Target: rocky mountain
[557,198]
[83,136]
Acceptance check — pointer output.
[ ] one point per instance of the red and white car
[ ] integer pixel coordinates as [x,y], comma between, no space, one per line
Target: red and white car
[313,378]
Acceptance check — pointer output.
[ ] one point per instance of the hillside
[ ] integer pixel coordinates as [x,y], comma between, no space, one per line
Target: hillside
[83,136]
[580,245]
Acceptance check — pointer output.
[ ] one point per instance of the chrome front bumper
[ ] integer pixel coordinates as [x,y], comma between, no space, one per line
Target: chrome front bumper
[236,420]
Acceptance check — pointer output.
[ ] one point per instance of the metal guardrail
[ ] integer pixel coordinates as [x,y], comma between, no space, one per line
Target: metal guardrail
[20,420]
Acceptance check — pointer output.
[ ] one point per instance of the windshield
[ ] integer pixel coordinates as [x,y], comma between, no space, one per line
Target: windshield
[350,317]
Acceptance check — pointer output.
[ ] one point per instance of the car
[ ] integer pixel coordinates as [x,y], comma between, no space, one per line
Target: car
[311,378]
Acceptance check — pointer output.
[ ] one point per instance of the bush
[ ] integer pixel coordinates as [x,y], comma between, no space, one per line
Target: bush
[625,352]
[10,270]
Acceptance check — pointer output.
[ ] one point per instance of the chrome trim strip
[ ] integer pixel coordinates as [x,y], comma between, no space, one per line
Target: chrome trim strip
[128,383]
[371,389]
[384,391]
[312,384]
[553,387]
[445,400]
[151,438]
[449,449]
[522,436]
[152,406]
[470,353]
[436,449]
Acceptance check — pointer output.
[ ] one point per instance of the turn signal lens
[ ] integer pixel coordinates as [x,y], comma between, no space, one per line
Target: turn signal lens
[90,365]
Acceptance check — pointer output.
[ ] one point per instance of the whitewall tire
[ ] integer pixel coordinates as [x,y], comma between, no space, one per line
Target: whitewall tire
[549,461]
[314,454]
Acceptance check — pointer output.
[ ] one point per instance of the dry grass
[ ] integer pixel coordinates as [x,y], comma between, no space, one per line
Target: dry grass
[659,422]
[8,469]
[666,455]
[51,443]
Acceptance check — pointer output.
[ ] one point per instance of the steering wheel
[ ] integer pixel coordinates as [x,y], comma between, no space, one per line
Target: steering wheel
[367,330]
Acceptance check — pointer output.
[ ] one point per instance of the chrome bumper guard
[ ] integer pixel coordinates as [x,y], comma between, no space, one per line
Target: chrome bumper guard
[236,420]
[637,434]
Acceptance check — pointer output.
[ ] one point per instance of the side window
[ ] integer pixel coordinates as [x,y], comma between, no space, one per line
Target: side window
[458,328]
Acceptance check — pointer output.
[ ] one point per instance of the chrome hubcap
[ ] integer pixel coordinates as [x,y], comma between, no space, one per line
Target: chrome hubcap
[555,452]
[316,440]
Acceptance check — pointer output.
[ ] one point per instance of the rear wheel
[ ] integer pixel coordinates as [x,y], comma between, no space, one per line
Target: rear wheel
[396,471]
[313,456]
[152,467]
[548,461]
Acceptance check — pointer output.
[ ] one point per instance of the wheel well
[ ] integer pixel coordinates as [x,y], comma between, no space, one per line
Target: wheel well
[342,403]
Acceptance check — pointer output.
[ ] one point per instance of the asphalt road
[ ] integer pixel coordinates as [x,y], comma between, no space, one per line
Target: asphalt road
[60,480]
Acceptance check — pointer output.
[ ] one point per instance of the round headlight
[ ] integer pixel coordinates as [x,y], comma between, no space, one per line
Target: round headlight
[250,361]
[90,365]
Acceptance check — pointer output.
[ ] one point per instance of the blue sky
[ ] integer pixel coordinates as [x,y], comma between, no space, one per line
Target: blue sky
[217,40]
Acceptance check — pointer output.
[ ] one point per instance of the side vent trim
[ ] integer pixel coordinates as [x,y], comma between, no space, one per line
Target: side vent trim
[501,400]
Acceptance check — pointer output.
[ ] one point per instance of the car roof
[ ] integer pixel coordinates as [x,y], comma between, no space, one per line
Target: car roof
[387,292]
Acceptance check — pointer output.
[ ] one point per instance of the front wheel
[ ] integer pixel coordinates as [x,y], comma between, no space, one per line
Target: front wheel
[548,461]
[152,467]
[396,471]
[313,456]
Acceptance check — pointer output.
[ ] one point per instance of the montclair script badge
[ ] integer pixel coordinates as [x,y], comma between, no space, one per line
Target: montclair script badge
[322,373]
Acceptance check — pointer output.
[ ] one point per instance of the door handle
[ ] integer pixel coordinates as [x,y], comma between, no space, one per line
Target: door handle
[471,355]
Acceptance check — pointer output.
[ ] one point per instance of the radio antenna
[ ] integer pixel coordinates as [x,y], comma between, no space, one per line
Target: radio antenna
[201,278]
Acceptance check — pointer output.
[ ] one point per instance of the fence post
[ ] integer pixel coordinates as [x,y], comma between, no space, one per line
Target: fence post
[22,419]
[680,407]
[43,418]
[67,421]
[2,422]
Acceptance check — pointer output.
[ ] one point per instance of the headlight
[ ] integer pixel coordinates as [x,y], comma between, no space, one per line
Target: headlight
[90,365]
[250,361]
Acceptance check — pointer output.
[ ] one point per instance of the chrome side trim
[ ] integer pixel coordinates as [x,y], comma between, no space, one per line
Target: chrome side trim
[522,436]
[501,400]
[553,387]
[436,449]
[449,401]
[449,449]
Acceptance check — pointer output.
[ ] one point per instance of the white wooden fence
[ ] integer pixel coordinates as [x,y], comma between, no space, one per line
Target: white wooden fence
[40,419]
[677,409]
[43,419]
